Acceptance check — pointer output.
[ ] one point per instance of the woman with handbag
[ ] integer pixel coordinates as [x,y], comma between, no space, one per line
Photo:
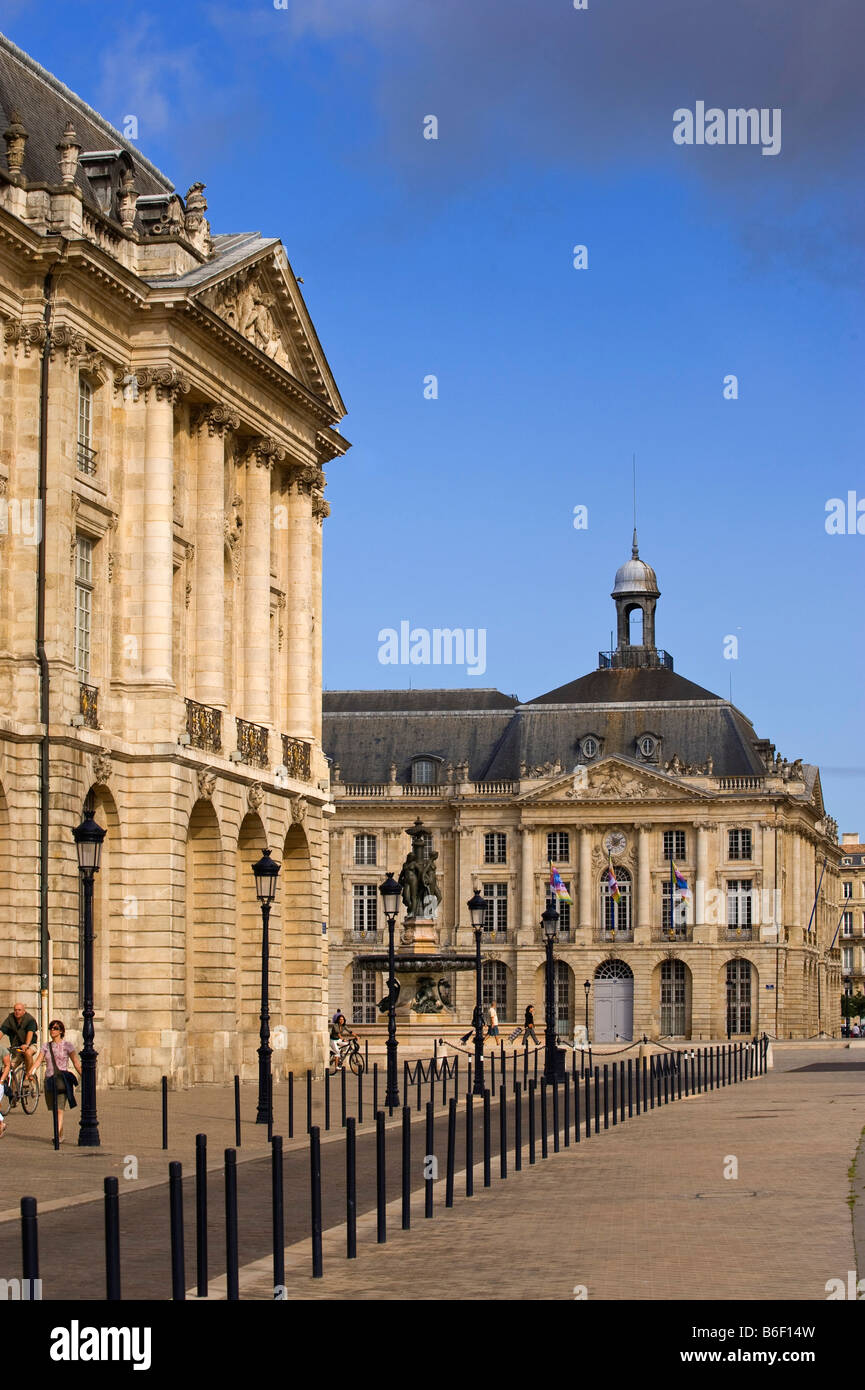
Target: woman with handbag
[59,1082]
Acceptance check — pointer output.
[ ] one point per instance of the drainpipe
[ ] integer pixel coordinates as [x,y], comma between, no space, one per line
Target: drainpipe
[42,660]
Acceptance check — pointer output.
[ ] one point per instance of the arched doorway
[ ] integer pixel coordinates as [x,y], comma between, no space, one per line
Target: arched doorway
[740,1018]
[674,1011]
[614,1002]
[210,979]
[305,1011]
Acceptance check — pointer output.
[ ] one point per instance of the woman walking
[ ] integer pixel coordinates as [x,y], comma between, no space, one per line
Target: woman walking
[60,1085]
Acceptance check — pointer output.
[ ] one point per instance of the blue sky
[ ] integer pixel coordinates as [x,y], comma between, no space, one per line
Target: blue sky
[453,257]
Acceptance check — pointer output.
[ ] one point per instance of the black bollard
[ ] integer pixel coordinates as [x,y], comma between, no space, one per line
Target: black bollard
[588,1105]
[374,1087]
[525,1064]
[315,1199]
[532,1089]
[621,1093]
[351,1189]
[232,1290]
[342,1097]
[380,1179]
[201,1213]
[406,1168]
[503,1132]
[308,1100]
[175,1208]
[606,1098]
[492,1072]
[429,1160]
[487,1138]
[29,1244]
[576,1109]
[630,1088]
[417,1077]
[327,1099]
[679,1076]
[544,1135]
[112,1240]
[518,1127]
[555,1115]
[291,1105]
[666,1071]
[278,1213]
[652,1082]
[470,1145]
[366,1054]
[165,1112]
[597,1099]
[360,1096]
[237,1112]
[566,1116]
[615,1094]
[451,1155]
[645,1084]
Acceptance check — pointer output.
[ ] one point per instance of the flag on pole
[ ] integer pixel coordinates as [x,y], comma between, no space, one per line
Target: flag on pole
[557,887]
[681,884]
[615,891]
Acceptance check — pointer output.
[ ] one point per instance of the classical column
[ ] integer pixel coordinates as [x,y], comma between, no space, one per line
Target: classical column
[585,886]
[163,385]
[299,610]
[527,879]
[256,580]
[702,872]
[464,844]
[644,882]
[770,908]
[212,423]
[796,912]
[320,510]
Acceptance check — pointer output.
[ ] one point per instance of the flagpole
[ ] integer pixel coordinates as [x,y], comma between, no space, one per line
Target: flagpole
[672,901]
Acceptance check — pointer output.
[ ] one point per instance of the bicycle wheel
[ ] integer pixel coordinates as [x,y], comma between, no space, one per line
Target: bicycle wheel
[356,1062]
[30,1094]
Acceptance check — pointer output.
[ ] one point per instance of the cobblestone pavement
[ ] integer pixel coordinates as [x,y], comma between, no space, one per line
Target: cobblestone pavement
[642,1211]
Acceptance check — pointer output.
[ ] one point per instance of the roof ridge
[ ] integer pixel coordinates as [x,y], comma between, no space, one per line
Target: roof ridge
[67,93]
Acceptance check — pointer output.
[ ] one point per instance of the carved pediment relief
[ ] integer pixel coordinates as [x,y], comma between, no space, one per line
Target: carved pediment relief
[612,780]
[249,304]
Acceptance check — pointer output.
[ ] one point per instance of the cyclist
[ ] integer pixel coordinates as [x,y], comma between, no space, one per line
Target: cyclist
[21,1030]
[339,1030]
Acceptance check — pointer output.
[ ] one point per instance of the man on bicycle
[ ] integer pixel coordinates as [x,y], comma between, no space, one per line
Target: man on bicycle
[21,1030]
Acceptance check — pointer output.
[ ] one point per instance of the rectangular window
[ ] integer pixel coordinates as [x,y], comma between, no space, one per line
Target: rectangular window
[680,911]
[674,844]
[847,927]
[86,452]
[739,902]
[740,844]
[365,907]
[559,846]
[496,897]
[83,605]
[364,849]
[847,959]
[495,848]
[848,890]
[363,995]
[564,909]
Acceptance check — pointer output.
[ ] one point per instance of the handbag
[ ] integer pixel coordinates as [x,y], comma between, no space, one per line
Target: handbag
[69,1082]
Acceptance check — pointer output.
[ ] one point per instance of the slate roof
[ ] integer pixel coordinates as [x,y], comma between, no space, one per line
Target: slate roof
[229,249]
[45,105]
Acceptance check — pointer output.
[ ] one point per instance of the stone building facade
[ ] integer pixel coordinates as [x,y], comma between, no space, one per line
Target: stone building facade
[630,764]
[851,927]
[167,414]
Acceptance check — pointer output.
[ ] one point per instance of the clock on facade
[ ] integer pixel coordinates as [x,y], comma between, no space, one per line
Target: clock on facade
[615,842]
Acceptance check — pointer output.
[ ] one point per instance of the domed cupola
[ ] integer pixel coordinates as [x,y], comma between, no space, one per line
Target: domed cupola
[636,592]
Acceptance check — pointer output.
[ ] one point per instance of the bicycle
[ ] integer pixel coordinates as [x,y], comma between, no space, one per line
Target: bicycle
[348,1048]
[20,1089]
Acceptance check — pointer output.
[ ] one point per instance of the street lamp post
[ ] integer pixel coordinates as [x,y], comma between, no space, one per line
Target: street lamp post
[554,1056]
[88,838]
[477,912]
[587,986]
[265,872]
[390,899]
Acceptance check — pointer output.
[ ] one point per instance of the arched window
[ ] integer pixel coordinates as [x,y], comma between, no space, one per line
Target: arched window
[494,987]
[614,970]
[424,771]
[738,997]
[616,916]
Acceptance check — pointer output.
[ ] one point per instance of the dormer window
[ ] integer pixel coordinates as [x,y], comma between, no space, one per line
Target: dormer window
[589,747]
[424,771]
[649,747]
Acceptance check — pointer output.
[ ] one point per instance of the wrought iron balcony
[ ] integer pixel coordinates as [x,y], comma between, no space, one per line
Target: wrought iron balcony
[367,938]
[252,743]
[678,932]
[88,704]
[204,726]
[86,458]
[295,757]
[740,933]
[608,934]
[496,938]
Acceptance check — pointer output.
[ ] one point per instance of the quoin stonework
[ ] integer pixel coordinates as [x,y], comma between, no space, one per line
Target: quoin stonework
[168,412]
[632,765]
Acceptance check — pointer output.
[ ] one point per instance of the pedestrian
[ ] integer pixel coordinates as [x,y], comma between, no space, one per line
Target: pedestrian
[493,1025]
[60,1084]
[529,1027]
[855,1031]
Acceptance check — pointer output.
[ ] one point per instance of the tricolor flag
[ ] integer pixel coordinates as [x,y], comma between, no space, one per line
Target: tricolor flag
[557,887]
[615,891]
[681,883]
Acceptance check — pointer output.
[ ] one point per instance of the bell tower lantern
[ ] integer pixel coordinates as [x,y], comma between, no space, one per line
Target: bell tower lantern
[635,594]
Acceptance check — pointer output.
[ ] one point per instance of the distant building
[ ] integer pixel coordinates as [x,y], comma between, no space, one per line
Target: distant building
[167,412]
[631,764]
[852,928]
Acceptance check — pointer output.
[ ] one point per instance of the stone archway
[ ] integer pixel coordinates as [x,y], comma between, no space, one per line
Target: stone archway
[251,843]
[209,956]
[304,1007]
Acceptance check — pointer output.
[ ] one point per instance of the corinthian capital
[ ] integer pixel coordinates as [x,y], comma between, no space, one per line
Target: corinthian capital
[216,419]
[168,383]
[320,508]
[264,451]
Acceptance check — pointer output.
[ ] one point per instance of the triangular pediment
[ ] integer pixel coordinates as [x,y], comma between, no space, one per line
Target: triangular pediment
[613,779]
[261,300]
